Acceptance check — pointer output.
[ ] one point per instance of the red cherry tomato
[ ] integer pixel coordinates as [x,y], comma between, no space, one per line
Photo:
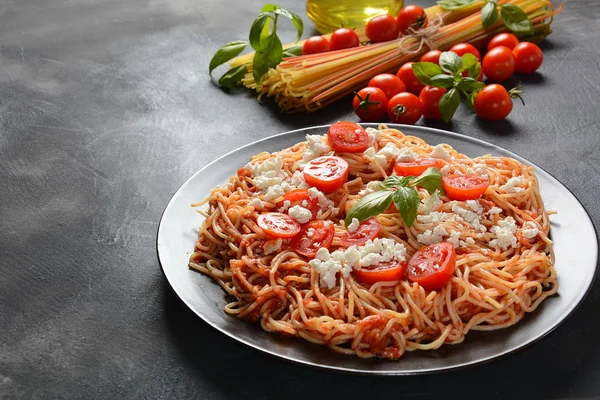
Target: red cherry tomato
[301,197]
[367,230]
[432,266]
[528,58]
[499,64]
[416,167]
[404,108]
[430,101]
[432,56]
[464,187]
[493,103]
[315,44]
[411,16]
[312,237]
[390,271]
[327,173]
[347,137]
[278,224]
[343,38]
[382,28]
[407,75]
[463,48]
[370,104]
[503,39]
[389,83]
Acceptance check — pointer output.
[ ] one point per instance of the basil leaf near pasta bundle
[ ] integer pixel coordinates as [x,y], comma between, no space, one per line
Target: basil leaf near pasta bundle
[399,190]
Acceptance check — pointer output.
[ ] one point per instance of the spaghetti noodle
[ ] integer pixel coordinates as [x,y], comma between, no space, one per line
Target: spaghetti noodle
[504,262]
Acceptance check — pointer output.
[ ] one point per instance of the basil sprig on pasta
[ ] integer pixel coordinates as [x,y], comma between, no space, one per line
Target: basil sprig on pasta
[401,191]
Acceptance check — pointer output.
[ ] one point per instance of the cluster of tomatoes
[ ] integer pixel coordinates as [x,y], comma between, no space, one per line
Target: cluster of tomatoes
[381,28]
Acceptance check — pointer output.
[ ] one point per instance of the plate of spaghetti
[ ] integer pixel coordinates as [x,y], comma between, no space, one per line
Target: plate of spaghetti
[378,249]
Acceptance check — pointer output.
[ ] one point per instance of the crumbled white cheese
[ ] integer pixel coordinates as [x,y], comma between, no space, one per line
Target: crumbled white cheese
[384,155]
[470,240]
[495,210]
[353,225]
[434,217]
[373,186]
[469,217]
[374,135]
[428,237]
[445,169]
[297,181]
[504,232]
[324,202]
[430,203]
[286,204]
[475,206]
[300,214]
[272,246]
[274,192]
[369,152]
[454,239]
[316,146]
[310,232]
[255,202]
[511,185]
[441,153]
[381,160]
[440,231]
[530,230]
[268,173]
[406,155]
[480,168]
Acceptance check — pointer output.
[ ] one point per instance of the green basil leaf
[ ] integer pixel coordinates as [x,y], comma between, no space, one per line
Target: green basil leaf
[267,58]
[269,8]
[471,100]
[430,180]
[451,5]
[256,31]
[295,20]
[407,202]
[467,85]
[475,70]
[468,60]
[369,206]
[450,62]
[233,76]
[515,19]
[449,103]
[394,181]
[489,14]
[442,81]
[226,53]
[292,51]
[425,71]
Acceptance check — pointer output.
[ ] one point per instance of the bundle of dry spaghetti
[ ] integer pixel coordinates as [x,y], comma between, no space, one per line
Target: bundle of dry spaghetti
[308,83]
[493,286]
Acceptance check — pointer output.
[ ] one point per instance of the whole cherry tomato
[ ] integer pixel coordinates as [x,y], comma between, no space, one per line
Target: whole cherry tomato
[411,16]
[430,101]
[493,103]
[382,28]
[343,38]
[528,58]
[432,56]
[370,104]
[503,39]
[389,83]
[315,44]
[407,75]
[499,64]
[404,108]
[463,48]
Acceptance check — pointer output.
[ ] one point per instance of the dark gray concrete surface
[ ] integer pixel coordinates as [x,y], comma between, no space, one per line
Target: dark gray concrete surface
[106,108]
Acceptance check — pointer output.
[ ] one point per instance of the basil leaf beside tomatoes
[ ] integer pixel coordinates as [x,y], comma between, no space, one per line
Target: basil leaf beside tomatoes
[430,180]
[515,19]
[369,206]
[407,200]
[489,14]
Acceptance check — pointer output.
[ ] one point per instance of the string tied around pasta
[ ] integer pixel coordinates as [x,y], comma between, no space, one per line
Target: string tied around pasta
[422,35]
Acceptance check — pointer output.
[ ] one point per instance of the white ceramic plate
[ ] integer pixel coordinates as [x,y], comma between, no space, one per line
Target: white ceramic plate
[576,248]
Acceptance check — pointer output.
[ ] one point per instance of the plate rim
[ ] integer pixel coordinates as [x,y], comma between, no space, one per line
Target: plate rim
[371,372]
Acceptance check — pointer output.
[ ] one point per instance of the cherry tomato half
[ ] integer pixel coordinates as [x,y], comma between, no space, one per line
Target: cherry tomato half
[417,166]
[407,75]
[370,104]
[463,48]
[503,39]
[312,237]
[464,187]
[493,103]
[382,28]
[499,64]
[411,16]
[343,38]
[278,224]
[367,230]
[326,173]
[347,137]
[432,266]
[389,83]
[315,44]
[390,271]
[528,58]
[301,197]
[404,108]
[430,101]
[432,56]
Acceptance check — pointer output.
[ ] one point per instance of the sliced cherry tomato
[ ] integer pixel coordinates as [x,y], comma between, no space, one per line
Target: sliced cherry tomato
[404,108]
[493,103]
[382,28]
[432,266]
[312,237]
[367,230]
[463,48]
[432,56]
[370,104]
[315,44]
[430,101]
[389,83]
[417,166]
[503,39]
[528,58]
[343,38]
[326,173]
[278,224]
[301,197]
[407,75]
[411,16]
[499,64]
[347,137]
[464,187]
[390,271]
